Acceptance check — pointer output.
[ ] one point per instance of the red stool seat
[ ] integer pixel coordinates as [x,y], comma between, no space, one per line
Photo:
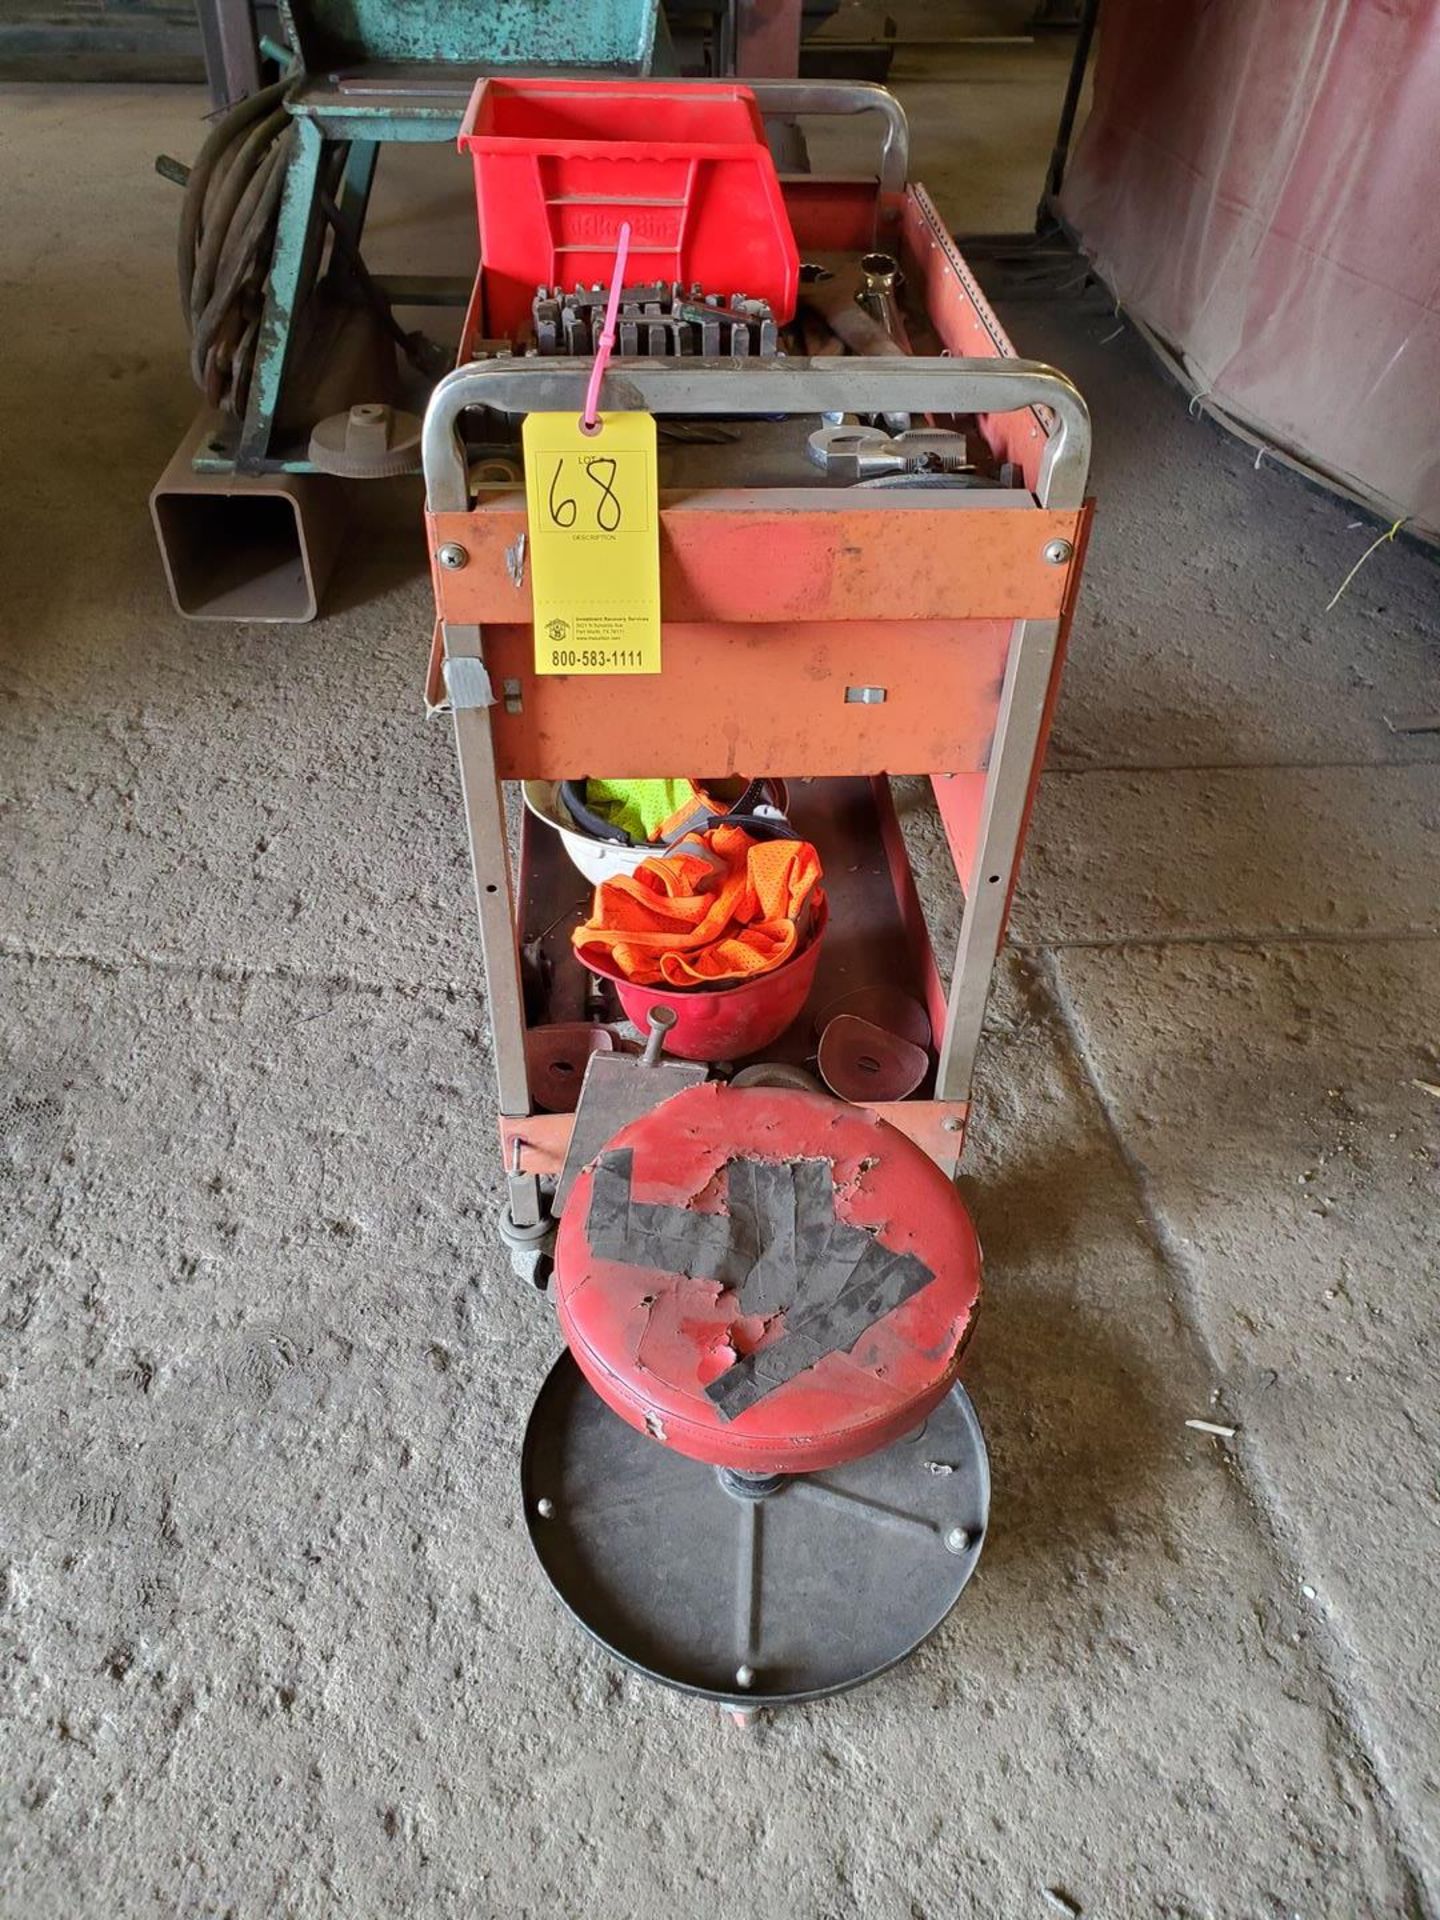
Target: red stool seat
[766,1280]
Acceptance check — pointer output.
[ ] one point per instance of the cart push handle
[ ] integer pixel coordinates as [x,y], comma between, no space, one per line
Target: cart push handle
[688,388]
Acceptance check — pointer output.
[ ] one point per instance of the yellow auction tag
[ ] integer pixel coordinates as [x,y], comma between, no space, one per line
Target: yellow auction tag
[591,500]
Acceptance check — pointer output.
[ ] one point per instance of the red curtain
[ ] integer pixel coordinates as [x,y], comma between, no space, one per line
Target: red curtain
[1259,182]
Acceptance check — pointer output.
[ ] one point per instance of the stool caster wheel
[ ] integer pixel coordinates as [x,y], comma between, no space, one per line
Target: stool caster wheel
[531,1249]
[746,1719]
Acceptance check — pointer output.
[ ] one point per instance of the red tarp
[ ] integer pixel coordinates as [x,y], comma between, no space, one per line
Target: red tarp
[1259,183]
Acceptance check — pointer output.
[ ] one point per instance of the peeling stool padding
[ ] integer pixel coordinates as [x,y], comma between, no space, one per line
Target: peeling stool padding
[766,1279]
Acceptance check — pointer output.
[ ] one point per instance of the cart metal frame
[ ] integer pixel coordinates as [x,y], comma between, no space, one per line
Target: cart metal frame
[898,633]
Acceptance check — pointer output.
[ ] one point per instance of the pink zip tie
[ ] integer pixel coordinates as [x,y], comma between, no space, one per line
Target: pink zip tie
[607,332]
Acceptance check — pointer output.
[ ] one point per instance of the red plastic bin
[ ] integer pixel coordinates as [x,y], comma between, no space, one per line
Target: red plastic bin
[560,163]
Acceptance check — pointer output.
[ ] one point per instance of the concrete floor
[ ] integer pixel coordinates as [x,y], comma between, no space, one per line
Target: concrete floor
[273,1641]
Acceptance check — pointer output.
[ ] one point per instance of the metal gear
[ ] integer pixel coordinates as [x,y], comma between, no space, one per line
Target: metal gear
[370,442]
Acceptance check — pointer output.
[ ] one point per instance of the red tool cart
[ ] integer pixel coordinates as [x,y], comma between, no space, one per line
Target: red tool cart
[870,532]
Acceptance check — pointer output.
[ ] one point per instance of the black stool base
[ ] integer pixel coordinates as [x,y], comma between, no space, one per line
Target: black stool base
[819,1585]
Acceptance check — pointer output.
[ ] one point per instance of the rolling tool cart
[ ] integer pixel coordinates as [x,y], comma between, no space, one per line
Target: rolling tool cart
[754,1474]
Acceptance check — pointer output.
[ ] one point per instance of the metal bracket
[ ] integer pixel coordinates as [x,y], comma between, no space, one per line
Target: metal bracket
[826,97]
[869,453]
[467,682]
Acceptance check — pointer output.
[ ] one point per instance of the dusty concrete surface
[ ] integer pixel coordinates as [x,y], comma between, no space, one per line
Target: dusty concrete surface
[273,1641]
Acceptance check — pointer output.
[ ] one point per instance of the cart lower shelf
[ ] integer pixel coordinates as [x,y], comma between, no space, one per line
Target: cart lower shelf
[876,934]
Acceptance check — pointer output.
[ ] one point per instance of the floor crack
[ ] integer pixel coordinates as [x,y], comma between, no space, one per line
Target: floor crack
[1248,766]
[235,971]
[1332,1649]
[1247,940]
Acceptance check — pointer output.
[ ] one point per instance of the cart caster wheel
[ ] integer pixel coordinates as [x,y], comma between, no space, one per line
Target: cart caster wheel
[533,1270]
[531,1249]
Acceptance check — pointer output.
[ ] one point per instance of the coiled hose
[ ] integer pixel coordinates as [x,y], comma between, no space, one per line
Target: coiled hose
[227,227]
